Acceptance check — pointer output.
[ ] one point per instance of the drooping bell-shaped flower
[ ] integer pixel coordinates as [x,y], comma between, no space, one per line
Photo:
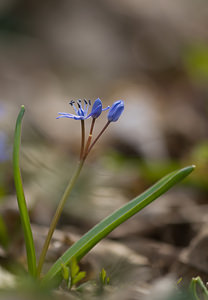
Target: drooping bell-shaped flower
[115,111]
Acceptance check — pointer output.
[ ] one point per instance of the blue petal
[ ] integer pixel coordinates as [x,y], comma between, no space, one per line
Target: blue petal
[79,118]
[82,114]
[70,117]
[96,109]
[65,115]
[106,108]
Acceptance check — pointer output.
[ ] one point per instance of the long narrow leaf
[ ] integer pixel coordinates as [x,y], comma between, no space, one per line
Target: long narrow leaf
[102,229]
[30,249]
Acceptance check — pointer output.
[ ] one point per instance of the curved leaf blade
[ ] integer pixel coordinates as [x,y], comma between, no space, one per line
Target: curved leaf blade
[30,249]
[102,229]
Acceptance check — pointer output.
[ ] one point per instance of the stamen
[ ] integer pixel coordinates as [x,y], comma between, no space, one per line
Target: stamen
[78,104]
[71,102]
[89,101]
[85,105]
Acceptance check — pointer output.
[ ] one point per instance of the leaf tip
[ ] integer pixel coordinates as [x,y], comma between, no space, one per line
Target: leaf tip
[191,168]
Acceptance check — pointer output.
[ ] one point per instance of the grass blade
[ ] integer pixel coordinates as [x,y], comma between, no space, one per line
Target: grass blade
[30,249]
[196,281]
[102,229]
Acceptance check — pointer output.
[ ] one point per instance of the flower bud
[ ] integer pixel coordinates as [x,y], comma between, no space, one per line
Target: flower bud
[115,111]
[96,109]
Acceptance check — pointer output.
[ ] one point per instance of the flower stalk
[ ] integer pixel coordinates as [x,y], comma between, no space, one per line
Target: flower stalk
[81,114]
[82,138]
[57,216]
[96,139]
[90,136]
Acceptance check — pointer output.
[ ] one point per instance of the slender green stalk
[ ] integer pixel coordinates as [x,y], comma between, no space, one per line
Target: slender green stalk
[25,220]
[57,216]
[83,154]
[82,138]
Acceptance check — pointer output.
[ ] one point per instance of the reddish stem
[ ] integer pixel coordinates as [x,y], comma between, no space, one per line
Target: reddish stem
[90,136]
[92,145]
[83,139]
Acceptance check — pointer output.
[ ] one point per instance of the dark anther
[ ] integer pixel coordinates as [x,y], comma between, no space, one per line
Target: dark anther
[78,105]
[89,102]
[79,101]
[71,102]
[85,101]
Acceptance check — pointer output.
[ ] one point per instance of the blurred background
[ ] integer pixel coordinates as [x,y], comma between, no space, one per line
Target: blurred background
[152,56]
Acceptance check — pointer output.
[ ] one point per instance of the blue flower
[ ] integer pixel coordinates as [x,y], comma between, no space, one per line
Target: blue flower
[115,111]
[82,111]
[97,109]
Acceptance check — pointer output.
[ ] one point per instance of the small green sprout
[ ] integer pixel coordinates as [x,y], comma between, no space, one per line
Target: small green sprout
[65,272]
[72,274]
[104,279]
[179,280]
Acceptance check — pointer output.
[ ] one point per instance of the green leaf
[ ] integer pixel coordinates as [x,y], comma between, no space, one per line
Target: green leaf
[102,229]
[65,272]
[76,275]
[196,281]
[71,274]
[30,249]
[81,275]
[103,277]
[74,267]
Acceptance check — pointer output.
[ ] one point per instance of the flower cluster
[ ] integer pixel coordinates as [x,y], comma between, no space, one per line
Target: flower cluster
[81,110]
[81,113]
